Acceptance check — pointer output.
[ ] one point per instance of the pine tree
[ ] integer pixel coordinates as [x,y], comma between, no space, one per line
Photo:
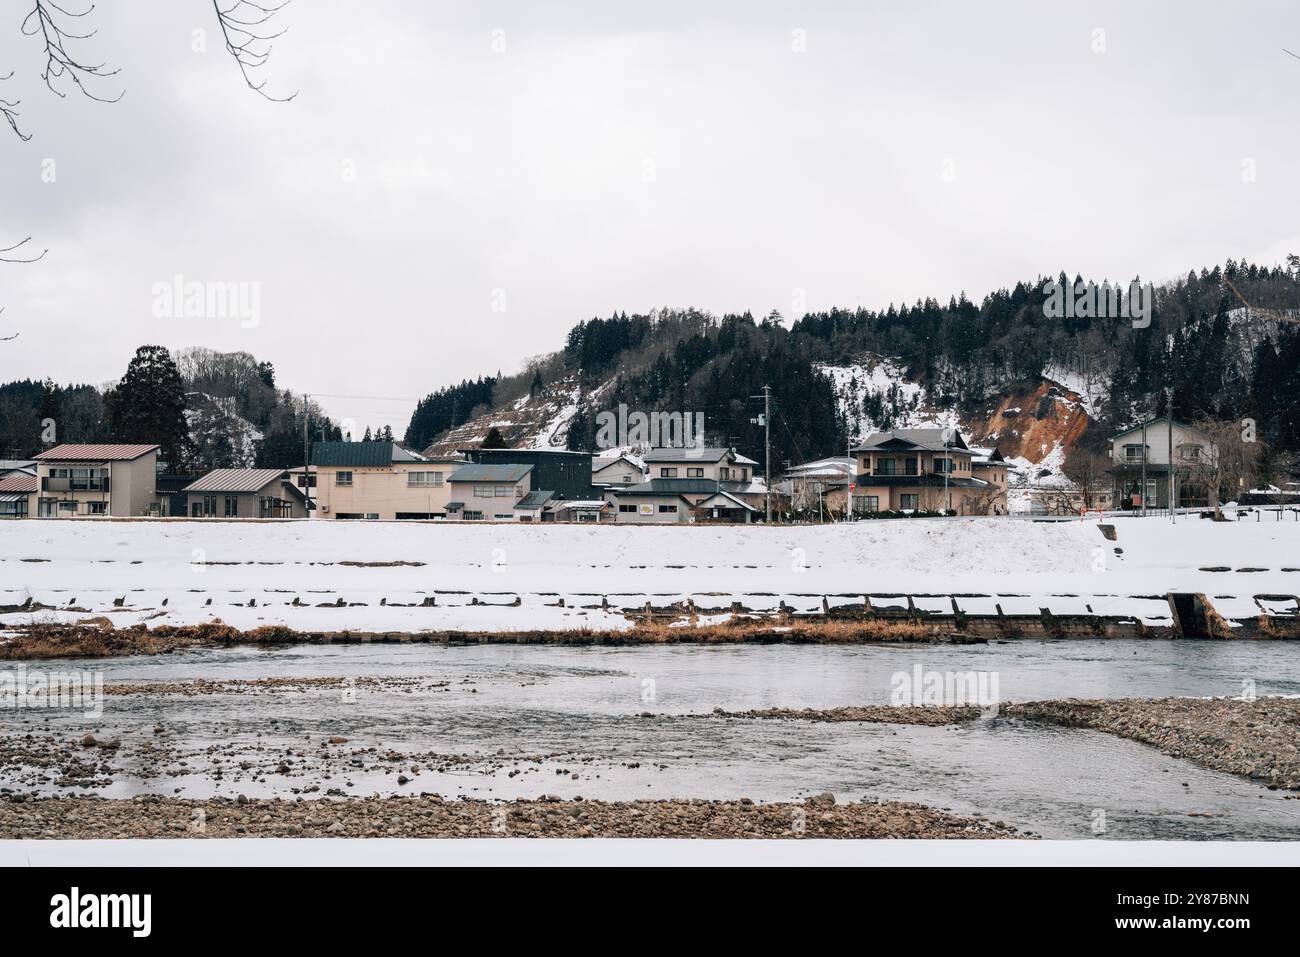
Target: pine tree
[148,406]
[494,439]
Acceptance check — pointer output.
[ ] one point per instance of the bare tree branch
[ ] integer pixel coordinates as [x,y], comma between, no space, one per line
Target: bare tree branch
[7,259]
[248,39]
[46,20]
[10,112]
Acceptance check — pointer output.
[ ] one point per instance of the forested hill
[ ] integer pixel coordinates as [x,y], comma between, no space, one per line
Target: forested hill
[1224,340]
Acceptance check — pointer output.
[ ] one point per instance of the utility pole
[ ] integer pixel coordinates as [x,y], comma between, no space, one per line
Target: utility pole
[1169,420]
[767,448]
[947,467]
[306,453]
[1144,468]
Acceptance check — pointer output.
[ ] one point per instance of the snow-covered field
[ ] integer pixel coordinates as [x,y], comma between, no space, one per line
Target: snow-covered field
[511,577]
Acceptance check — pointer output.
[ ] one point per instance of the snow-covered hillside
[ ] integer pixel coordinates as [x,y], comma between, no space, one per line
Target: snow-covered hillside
[874,395]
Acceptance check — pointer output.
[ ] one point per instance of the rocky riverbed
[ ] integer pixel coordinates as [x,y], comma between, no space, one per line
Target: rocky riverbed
[1258,739]
[429,816]
[928,716]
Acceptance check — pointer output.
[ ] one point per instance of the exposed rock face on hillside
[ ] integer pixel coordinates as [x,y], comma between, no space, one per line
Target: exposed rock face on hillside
[533,421]
[1032,425]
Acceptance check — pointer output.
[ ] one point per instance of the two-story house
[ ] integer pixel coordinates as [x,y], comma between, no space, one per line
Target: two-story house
[79,480]
[379,481]
[691,484]
[496,493]
[1144,456]
[924,470]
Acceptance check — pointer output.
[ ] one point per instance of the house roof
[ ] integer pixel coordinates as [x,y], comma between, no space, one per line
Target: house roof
[235,480]
[361,454]
[588,505]
[535,499]
[12,496]
[1150,422]
[95,453]
[606,463]
[732,501]
[11,465]
[926,440]
[693,453]
[18,483]
[490,473]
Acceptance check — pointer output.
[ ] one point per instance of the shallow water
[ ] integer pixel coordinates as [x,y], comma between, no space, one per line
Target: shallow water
[582,709]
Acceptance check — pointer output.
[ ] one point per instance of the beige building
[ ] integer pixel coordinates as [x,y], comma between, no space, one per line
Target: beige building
[79,480]
[922,470]
[245,493]
[380,481]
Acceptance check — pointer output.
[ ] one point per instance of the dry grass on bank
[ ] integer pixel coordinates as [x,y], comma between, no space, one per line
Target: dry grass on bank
[97,638]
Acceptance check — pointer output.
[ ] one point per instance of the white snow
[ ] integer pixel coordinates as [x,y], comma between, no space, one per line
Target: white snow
[90,564]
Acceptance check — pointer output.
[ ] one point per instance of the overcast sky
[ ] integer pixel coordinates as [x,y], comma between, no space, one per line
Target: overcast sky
[456,184]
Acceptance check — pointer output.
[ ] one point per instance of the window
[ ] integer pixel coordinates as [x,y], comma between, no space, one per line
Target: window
[886,466]
[627,480]
[372,516]
[908,502]
[231,506]
[695,473]
[473,516]
[97,508]
[424,479]
[503,491]
[667,508]
[943,466]
[626,509]
[1133,454]
[1189,453]
[668,473]
[865,504]
[909,465]
[342,478]
[724,473]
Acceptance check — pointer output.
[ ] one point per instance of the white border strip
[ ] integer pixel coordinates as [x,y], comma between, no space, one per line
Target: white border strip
[327,852]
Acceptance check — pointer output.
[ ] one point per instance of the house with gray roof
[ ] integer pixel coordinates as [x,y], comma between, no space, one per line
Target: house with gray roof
[245,493]
[489,493]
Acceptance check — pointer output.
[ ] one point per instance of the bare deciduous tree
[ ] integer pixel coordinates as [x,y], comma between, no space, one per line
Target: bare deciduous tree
[1229,465]
[1088,470]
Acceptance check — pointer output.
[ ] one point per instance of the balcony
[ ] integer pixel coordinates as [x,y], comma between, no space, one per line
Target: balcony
[74,485]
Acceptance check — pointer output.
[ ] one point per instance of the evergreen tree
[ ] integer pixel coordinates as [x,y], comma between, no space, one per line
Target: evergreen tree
[148,406]
[494,440]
